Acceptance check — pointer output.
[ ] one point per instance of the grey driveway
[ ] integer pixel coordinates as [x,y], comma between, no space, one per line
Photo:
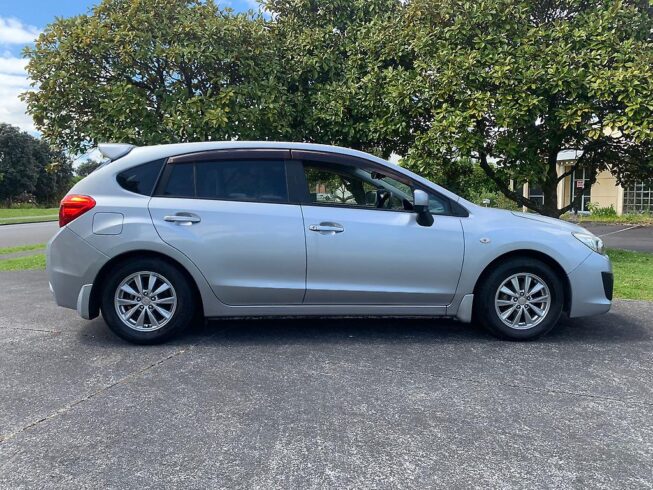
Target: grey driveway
[27,233]
[322,403]
[627,237]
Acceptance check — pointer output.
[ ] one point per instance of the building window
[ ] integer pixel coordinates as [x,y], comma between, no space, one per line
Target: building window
[638,198]
[536,194]
[580,181]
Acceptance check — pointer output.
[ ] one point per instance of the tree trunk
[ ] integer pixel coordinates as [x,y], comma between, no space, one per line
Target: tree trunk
[550,201]
[550,184]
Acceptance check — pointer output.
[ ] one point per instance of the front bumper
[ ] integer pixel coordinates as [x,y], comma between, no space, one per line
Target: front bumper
[608,284]
[71,264]
[591,286]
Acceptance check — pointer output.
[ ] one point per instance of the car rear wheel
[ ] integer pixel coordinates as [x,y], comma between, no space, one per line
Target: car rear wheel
[147,301]
[520,299]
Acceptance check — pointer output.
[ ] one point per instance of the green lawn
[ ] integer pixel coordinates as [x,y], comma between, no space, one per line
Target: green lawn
[633,274]
[23,263]
[27,215]
[21,248]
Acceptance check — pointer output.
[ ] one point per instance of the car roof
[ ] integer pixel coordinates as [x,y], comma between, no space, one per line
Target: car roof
[162,151]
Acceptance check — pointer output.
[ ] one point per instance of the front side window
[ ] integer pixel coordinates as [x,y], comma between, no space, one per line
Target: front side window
[349,185]
[236,180]
[352,186]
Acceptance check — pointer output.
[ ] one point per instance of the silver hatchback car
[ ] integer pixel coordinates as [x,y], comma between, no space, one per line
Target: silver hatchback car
[159,235]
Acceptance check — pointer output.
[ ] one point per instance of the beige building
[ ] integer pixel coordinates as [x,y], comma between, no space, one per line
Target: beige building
[604,193]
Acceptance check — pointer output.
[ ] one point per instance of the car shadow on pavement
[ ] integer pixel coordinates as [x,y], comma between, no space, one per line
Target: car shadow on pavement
[611,328]
[328,330]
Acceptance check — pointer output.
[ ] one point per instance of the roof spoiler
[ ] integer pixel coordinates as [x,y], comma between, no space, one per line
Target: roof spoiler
[113,151]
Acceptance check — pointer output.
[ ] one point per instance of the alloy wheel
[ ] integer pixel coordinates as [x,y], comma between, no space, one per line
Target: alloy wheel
[145,301]
[522,301]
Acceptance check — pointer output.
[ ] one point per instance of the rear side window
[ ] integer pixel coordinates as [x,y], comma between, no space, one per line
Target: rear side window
[181,182]
[142,178]
[235,180]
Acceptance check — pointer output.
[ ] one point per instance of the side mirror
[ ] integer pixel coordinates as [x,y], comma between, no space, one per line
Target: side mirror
[421,207]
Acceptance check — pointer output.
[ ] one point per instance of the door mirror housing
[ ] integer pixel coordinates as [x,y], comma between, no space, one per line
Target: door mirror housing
[421,207]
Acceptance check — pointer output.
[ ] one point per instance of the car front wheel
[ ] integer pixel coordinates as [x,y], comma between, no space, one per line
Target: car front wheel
[521,299]
[146,301]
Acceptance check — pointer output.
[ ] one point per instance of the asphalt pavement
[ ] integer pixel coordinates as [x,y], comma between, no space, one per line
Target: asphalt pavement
[27,233]
[627,237]
[321,403]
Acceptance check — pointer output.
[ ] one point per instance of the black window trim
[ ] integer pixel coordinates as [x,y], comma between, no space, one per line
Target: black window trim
[303,196]
[277,155]
[232,154]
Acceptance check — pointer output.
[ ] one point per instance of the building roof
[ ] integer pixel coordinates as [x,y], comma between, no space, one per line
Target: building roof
[569,155]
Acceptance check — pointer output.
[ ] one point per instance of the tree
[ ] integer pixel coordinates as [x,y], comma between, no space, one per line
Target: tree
[505,83]
[55,179]
[29,166]
[85,168]
[19,163]
[331,83]
[155,71]
[511,83]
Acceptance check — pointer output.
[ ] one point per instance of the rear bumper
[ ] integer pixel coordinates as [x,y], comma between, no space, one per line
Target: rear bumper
[72,264]
[591,286]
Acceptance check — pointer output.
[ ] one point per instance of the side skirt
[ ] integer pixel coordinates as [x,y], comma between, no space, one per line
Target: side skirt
[333,311]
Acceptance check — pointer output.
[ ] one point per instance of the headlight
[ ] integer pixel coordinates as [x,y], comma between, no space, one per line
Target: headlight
[593,242]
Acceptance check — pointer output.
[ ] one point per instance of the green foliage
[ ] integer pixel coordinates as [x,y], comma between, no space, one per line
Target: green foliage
[85,168]
[29,168]
[496,200]
[156,71]
[598,211]
[511,83]
[332,84]
[507,84]
[625,219]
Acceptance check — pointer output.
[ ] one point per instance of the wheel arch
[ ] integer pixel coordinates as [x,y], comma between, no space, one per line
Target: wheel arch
[96,291]
[533,254]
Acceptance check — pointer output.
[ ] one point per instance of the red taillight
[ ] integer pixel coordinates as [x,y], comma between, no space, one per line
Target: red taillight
[73,206]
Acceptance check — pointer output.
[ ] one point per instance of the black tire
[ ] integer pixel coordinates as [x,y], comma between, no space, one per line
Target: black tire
[181,317]
[486,313]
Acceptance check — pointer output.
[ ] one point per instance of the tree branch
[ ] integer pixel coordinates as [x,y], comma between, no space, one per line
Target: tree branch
[566,174]
[503,187]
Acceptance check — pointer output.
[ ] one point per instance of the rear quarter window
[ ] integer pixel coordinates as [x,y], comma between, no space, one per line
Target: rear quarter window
[141,179]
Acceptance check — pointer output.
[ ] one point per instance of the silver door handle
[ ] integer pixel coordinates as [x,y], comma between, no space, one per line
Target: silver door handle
[182,219]
[327,228]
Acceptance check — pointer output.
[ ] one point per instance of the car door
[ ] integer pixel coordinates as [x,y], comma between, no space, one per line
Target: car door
[363,244]
[229,212]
